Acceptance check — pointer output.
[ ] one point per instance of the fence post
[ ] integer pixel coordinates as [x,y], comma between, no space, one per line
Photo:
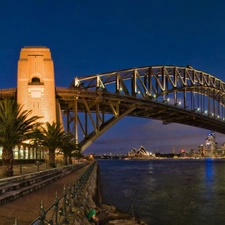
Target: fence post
[56,203]
[74,192]
[70,199]
[65,221]
[21,168]
[42,214]
[15,222]
[38,164]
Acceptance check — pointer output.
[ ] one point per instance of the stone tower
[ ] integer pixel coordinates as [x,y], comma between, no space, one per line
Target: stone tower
[36,83]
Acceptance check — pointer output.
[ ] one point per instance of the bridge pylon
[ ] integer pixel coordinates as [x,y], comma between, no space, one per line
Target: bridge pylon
[36,83]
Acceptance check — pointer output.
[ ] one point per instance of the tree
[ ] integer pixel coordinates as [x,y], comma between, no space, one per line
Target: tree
[68,148]
[77,153]
[16,126]
[53,138]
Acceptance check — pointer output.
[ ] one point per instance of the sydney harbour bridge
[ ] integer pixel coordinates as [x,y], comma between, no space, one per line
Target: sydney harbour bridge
[91,105]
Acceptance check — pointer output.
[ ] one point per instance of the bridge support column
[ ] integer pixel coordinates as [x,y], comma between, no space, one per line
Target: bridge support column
[75,121]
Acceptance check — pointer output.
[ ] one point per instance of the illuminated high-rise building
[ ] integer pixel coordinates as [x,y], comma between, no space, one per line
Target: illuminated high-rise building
[210,145]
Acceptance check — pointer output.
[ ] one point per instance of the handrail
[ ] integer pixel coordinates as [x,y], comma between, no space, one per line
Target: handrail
[58,212]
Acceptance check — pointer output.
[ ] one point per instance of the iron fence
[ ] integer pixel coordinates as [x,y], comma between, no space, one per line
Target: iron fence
[58,212]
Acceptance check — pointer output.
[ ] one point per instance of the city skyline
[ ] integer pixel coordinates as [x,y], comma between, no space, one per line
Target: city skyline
[94,37]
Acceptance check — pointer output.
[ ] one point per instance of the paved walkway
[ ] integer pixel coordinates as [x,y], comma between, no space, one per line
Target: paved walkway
[26,208]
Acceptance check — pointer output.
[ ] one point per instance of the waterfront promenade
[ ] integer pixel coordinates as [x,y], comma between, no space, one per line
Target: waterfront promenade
[26,209]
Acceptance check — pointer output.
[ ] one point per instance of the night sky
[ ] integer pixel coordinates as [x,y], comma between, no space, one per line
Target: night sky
[89,37]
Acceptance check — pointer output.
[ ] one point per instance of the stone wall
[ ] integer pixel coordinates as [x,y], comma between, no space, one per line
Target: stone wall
[90,197]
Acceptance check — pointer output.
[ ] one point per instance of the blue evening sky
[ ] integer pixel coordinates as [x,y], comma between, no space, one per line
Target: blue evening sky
[89,37]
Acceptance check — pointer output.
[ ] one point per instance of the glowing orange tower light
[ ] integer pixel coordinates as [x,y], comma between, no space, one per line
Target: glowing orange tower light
[36,83]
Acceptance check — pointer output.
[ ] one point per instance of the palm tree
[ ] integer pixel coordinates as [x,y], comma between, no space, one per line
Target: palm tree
[16,126]
[53,138]
[68,148]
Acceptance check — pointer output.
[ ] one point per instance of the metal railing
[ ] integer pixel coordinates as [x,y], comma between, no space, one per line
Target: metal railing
[58,212]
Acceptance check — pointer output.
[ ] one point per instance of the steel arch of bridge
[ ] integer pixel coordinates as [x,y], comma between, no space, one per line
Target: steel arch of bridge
[171,94]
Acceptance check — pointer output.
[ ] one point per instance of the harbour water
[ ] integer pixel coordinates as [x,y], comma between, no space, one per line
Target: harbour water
[163,192]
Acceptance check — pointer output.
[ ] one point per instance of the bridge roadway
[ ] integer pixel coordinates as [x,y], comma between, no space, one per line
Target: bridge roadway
[26,208]
[135,107]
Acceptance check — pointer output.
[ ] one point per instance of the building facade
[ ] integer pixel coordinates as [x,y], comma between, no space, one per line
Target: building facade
[36,83]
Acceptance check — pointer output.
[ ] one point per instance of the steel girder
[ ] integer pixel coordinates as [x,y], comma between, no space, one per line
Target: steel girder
[168,93]
[91,113]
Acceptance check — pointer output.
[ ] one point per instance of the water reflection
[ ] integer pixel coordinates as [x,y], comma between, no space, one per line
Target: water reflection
[181,192]
[209,173]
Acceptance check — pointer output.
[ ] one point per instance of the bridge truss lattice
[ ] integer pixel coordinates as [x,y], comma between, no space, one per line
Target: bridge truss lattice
[171,94]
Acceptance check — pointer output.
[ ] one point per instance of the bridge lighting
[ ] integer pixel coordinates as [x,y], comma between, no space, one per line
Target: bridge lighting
[206,111]
[218,116]
[198,109]
[154,95]
[76,82]
[166,100]
[177,103]
[120,89]
[212,114]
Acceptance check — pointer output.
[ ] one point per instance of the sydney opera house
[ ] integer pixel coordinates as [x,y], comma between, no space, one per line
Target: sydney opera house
[141,152]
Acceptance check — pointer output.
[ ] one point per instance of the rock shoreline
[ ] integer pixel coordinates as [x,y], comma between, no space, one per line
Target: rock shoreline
[90,197]
[109,215]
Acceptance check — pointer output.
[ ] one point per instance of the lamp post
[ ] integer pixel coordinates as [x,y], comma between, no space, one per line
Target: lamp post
[20,162]
[46,164]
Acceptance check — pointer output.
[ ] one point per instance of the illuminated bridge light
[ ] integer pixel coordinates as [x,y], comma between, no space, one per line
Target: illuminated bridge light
[206,111]
[166,100]
[77,82]
[198,109]
[177,103]
[218,116]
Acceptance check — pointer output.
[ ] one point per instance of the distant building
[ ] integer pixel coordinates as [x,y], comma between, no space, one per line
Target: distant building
[201,150]
[223,148]
[140,152]
[210,145]
[173,150]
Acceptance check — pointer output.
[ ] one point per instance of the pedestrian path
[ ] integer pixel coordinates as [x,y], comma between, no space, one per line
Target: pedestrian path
[26,209]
